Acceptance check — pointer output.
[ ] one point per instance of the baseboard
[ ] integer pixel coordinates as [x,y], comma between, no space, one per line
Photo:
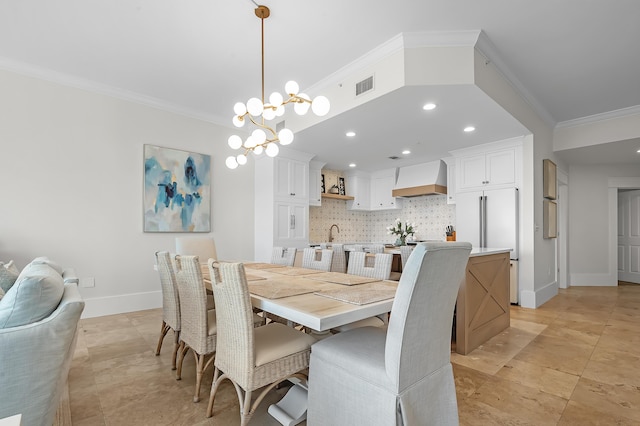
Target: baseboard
[535,299]
[599,280]
[101,306]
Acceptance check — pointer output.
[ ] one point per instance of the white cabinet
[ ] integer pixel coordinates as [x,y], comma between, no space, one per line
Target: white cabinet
[451,179]
[495,169]
[291,179]
[358,186]
[292,222]
[382,184]
[315,183]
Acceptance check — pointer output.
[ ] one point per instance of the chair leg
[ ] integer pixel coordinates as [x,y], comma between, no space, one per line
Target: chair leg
[217,379]
[182,351]
[163,332]
[176,346]
[245,410]
[199,368]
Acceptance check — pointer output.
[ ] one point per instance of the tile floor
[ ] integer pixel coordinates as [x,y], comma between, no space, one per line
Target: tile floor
[574,361]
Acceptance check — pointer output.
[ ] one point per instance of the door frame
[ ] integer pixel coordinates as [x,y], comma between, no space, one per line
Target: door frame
[562,247]
[614,185]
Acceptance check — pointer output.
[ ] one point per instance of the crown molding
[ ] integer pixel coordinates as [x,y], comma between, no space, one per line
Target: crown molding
[68,80]
[488,50]
[441,38]
[609,115]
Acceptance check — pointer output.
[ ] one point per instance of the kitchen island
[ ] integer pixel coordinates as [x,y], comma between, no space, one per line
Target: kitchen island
[482,307]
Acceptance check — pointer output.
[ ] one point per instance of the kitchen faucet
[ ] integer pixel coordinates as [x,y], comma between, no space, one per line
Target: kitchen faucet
[331,231]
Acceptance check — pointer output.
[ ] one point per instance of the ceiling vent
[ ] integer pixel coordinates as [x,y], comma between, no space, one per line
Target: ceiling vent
[364,86]
[394,157]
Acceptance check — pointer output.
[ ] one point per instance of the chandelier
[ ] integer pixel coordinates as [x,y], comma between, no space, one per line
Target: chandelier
[264,138]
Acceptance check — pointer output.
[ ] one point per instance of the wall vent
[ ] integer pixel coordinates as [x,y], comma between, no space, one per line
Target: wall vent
[279,126]
[364,86]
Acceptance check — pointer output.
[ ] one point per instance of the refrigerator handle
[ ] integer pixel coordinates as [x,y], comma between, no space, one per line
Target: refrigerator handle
[483,221]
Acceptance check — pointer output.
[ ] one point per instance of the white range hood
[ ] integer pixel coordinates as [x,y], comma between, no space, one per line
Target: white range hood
[421,179]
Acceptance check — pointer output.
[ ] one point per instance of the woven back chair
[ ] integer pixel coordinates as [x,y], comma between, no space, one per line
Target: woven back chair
[405,252]
[251,358]
[373,248]
[198,323]
[339,260]
[381,268]
[170,303]
[283,256]
[203,247]
[310,259]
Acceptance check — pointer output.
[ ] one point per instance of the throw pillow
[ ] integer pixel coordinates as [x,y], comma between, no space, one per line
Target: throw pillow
[45,260]
[8,275]
[34,296]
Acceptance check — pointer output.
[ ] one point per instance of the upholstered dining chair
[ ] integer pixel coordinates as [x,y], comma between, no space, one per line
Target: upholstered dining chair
[310,259]
[251,358]
[283,256]
[198,324]
[380,268]
[399,375]
[203,247]
[339,259]
[170,303]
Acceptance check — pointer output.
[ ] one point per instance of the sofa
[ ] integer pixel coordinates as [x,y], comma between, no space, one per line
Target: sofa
[39,317]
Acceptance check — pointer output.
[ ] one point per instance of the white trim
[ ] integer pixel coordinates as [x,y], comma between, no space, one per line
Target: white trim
[534,299]
[111,305]
[594,280]
[618,113]
[104,89]
[514,142]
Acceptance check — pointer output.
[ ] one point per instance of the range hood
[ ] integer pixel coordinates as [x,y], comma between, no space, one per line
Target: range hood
[421,179]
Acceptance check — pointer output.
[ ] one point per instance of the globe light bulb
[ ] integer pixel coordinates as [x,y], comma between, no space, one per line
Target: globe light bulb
[258,150]
[250,143]
[275,99]
[291,88]
[301,108]
[241,159]
[280,111]
[272,149]
[285,136]
[320,106]
[239,108]
[259,136]
[255,107]
[238,121]
[235,142]
[231,162]
[269,113]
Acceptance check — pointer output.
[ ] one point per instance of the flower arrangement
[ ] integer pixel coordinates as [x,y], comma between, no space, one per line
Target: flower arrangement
[402,233]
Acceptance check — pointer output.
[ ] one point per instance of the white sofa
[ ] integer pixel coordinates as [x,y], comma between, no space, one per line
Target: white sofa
[39,318]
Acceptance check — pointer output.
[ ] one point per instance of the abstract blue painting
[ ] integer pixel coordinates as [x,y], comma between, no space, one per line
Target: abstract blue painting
[177,190]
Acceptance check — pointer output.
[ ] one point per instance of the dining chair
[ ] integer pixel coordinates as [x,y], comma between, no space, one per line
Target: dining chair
[317,259]
[251,358]
[405,252]
[380,267]
[339,259]
[203,247]
[373,248]
[199,325]
[283,256]
[170,303]
[402,374]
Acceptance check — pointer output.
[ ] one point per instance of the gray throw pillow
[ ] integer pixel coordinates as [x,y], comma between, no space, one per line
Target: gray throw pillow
[34,296]
[8,275]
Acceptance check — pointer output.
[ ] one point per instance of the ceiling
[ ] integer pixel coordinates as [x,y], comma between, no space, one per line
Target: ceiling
[573,59]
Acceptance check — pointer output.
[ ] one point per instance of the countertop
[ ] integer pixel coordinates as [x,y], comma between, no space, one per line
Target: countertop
[484,251]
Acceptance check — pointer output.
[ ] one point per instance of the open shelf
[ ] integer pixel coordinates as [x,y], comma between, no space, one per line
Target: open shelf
[337,197]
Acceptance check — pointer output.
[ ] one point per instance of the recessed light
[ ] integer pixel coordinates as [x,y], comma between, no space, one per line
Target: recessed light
[350,134]
[638,151]
[406,152]
[469,129]
[429,106]
[352,165]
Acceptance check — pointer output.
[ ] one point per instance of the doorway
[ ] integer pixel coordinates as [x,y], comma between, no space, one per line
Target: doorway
[614,185]
[629,236]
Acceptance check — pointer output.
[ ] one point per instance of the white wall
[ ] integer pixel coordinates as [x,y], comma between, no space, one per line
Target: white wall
[589,222]
[71,168]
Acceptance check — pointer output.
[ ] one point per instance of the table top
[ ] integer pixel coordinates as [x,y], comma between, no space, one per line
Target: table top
[313,310]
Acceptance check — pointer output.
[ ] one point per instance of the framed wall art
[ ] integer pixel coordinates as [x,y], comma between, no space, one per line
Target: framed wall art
[550,219]
[341,189]
[177,190]
[549,179]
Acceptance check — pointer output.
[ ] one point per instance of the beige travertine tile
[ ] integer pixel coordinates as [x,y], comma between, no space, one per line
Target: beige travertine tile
[467,380]
[614,400]
[578,414]
[544,379]
[473,413]
[556,353]
[614,373]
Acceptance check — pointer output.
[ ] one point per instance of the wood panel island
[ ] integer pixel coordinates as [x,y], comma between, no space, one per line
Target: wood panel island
[482,307]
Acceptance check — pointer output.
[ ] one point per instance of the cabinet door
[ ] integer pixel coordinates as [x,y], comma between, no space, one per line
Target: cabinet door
[451,183]
[359,188]
[315,178]
[500,168]
[471,172]
[291,179]
[381,188]
[291,221]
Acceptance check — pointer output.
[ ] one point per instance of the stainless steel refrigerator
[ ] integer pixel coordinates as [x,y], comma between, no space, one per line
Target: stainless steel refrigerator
[490,219]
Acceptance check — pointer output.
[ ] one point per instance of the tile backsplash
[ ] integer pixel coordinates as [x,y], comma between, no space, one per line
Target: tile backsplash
[430,213]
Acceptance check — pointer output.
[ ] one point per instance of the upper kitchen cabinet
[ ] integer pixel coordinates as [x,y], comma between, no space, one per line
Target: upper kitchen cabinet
[358,186]
[291,179]
[382,184]
[451,179]
[497,167]
[315,183]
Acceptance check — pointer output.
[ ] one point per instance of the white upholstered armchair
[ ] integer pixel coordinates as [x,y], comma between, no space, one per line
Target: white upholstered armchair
[400,375]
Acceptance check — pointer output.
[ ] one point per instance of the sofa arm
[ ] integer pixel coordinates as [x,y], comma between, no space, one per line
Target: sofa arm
[69,276]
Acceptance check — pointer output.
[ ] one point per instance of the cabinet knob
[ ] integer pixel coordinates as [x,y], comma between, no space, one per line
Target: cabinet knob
[292,193]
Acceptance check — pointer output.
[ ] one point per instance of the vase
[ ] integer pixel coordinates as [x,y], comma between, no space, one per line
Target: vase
[401,241]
